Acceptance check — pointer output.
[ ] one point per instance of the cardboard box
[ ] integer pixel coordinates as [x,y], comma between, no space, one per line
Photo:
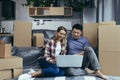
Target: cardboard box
[90,32]
[17,72]
[22,33]
[5,74]
[56,11]
[10,73]
[107,23]
[38,39]
[109,38]
[2,42]
[11,62]
[5,50]
[109,49]
[109,61]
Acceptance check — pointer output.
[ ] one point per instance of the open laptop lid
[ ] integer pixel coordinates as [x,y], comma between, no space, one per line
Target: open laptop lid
[69,60]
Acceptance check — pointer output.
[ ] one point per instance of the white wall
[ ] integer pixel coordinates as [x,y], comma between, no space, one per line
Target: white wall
[8,25]
[22,14]
[89,15]
[100,11]
[108,10]
[51,25]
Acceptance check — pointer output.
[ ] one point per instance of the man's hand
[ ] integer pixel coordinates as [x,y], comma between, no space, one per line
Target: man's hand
[81,53]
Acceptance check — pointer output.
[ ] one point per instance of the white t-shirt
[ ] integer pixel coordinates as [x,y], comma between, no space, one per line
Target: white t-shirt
[58,48]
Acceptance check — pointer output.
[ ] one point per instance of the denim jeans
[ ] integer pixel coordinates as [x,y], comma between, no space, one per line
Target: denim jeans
[49,69]
[89,58]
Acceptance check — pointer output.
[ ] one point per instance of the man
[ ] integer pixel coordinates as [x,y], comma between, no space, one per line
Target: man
[79,45]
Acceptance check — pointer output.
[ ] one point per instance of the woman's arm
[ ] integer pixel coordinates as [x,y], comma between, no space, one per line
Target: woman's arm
[48,55]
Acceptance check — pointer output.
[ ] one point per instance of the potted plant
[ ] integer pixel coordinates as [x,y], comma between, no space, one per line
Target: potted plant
[28,3]
[78,5]
[38,3]
[48,2]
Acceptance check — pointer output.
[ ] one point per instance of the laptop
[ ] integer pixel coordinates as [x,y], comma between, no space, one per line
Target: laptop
[69,60]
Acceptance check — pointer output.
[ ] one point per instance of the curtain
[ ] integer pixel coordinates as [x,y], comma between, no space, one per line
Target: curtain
[117,11]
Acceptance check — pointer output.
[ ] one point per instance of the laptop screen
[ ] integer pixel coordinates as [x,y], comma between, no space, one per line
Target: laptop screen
[69,60]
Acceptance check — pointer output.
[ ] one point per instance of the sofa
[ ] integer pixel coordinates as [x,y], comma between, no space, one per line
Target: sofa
[32,54]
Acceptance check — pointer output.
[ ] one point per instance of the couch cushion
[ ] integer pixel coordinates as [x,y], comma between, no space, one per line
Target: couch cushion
[49,33]
[30,55]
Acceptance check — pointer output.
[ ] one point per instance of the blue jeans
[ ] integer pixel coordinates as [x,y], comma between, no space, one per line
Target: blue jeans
[49,69]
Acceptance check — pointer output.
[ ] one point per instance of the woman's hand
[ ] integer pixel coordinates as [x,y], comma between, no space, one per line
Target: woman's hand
[53,61]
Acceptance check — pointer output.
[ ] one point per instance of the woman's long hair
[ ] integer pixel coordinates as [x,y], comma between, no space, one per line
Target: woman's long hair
[63,41]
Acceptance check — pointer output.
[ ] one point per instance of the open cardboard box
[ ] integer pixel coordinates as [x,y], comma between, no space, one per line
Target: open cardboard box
[5,50]
[10,73]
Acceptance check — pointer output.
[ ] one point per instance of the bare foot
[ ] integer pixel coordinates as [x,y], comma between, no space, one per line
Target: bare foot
[37,73]
[89,71]
[101,75]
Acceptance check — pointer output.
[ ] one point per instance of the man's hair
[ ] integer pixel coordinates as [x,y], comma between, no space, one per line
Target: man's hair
[77,26]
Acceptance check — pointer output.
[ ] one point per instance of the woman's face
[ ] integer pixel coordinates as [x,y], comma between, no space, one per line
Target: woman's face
[61,34]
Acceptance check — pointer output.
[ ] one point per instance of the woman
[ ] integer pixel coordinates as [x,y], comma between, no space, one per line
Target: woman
[55,46]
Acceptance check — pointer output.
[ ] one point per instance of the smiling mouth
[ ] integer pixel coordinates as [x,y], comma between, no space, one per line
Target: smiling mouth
[60,37]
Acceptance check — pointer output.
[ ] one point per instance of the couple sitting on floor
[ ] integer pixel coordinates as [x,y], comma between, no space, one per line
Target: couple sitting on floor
[74,44]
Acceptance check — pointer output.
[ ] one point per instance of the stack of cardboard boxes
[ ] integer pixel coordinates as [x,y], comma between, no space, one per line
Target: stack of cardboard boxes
[23,35]
[105,35]
[109,49]
[10,66]
[38,39]
[90,31]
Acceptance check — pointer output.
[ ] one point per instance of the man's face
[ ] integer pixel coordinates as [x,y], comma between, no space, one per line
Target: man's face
[76,33]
